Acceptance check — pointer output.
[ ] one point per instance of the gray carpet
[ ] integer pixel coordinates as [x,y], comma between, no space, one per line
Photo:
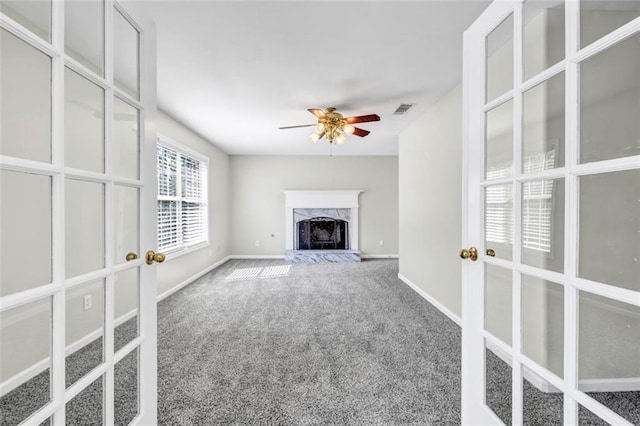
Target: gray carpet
[541,409]
[262,342]
[326,344]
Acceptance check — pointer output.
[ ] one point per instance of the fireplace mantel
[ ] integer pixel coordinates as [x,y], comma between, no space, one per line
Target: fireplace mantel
[322,199]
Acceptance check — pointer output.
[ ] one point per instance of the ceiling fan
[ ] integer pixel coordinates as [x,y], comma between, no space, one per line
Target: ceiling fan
[332,125]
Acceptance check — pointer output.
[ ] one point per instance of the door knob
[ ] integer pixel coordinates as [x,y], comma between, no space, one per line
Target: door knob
[131,256]
[152,256]
[491,252]
[472,253]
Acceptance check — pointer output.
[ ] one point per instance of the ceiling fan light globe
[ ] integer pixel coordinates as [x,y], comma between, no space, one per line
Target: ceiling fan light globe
[349,129]
[314,137]
[340,139]
[319,128]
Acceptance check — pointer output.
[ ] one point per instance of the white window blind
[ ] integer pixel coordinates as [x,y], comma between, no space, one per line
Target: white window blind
[537,198]
[182,199]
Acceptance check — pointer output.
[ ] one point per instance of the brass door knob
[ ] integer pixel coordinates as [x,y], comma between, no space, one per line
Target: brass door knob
[152,256]
[131,256]
[491,252]
[472,254]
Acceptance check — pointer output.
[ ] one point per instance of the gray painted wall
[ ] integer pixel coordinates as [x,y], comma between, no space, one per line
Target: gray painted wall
[176,270]
[430,201]
[258,204]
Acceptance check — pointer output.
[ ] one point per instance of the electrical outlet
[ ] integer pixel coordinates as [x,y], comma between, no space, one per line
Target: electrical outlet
[87,302]
[381,242]
[257,243]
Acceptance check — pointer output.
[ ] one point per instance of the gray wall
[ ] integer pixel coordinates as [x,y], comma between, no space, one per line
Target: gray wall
[430,201]
[175,270]
[258,204]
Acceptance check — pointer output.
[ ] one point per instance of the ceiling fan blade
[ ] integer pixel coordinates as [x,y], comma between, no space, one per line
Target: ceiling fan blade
[317,112]
[363,118]
[360,132]
[295,127]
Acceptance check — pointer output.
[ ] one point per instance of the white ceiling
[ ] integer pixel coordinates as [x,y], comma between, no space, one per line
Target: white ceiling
[235,71]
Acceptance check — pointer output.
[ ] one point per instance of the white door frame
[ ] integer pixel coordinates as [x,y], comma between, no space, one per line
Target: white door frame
[56,290]
[473,363]
[474,409]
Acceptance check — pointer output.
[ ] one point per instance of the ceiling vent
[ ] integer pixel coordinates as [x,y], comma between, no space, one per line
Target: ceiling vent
[403,108]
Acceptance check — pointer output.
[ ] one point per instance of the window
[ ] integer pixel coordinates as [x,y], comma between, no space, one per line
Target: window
[537,201]
[182,198]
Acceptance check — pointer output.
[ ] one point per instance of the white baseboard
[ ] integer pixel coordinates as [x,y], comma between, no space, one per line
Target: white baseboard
[281,256]
[256,256]
[627,384]
[192,279]
[453,317]
[23,377]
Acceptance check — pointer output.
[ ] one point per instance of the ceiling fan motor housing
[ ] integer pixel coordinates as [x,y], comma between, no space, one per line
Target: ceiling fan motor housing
[333,123]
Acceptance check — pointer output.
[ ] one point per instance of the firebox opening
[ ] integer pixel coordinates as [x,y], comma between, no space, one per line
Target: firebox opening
[322,233]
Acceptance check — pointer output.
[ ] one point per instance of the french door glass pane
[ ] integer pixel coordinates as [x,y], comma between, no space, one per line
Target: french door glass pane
[84,227]
[499,51]
[543,126]
[84,310]
[541,406]
[498,303]
[86,407]
[25,100]
[543,224]
[543,35]
[34,15]
[587,418]
[609,247]
[126,389]
[83,123]
[167,171]
[25,348]
[499,142]
[84,33]
[167,224]
[498,217]
[610,103]
[498,377]
[125,226]
[600,17]
[125,55]
[20,245]
[608,353]
[543,323]
[126,302]
[126,145]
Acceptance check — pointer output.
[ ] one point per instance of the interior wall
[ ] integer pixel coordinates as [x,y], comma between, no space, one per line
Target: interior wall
[176,270]
[258,204]
[430,201]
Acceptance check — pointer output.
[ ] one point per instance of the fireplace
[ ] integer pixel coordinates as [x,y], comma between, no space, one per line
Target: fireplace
[321,226]
[322,233]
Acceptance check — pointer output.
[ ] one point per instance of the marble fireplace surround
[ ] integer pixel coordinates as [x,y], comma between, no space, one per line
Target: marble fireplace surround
[321,199]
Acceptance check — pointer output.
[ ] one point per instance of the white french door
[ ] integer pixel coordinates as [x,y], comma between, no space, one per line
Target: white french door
[77,213]
[551,276]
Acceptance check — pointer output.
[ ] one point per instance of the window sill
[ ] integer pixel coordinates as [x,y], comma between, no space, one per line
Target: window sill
[178,252]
